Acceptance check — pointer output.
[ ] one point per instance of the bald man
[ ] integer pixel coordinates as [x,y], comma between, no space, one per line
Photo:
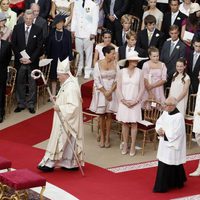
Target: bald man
[172,148]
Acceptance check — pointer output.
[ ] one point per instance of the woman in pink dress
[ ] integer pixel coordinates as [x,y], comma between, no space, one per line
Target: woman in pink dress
[104,100]
[130,89]
[155,75]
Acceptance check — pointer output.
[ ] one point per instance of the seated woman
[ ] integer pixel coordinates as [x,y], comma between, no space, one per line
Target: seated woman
[106,37]
[155,75]
[180,85]
[6,32]
[130,89]
[153,10]
[104,100]
[10,15]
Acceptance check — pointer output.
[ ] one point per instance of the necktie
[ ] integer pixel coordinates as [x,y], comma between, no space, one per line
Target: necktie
[195,57]
[83,4]
[26,34]
[171,48]
[149,36]
[124,37]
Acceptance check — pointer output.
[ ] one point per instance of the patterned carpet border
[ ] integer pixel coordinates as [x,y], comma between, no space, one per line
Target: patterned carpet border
[145,165]
[193,197]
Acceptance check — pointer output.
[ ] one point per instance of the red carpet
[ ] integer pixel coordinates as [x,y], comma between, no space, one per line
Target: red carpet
[98,183]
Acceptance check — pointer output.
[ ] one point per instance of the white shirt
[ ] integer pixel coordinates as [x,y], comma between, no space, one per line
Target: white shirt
[173,17]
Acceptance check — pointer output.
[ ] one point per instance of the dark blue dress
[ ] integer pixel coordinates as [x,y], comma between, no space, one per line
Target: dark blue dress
[59,45]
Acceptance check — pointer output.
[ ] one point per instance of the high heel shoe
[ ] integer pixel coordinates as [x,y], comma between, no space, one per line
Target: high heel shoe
[124,149]
[107,144]
[132,153]
[196,172]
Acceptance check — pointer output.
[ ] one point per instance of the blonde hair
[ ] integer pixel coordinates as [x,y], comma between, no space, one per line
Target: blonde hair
[126,18]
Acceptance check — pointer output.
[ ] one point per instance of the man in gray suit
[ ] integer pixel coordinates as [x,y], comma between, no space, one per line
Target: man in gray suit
[171,51]
[39,21]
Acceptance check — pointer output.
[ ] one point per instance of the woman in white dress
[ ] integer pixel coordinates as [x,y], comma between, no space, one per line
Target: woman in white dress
[106,37]
[196,127]
[104,99]
[63,7]
[130,89]
[180,85]
[153,10]
[185,7]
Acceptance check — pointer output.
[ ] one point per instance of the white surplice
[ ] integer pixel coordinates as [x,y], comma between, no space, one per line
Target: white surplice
[173,151]
[59,152]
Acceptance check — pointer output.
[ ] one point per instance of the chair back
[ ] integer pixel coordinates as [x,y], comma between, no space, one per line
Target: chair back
[86,92]
[45,70]
[74,63]
[152,110]
[135,24]
[11,77]
[191,104]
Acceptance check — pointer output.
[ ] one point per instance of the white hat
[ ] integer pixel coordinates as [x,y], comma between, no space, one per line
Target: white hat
[132,56]
[194,8]
[63,67]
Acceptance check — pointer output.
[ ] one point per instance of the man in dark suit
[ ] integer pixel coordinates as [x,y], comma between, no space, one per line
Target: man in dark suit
[27,45]
[114,9]
[5,56]
[45,6]
[173,17]
[37,20]
[172,50]
[194,66]
[150,36]
[129,46]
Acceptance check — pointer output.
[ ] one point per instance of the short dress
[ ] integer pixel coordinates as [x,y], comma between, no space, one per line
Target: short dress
[130,89]
[103,78]
[175,90]
[153,75]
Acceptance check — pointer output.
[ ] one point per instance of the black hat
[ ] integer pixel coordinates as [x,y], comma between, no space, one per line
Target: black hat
[58,18]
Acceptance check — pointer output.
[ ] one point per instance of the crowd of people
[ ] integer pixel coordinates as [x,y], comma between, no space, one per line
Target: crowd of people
[129,65]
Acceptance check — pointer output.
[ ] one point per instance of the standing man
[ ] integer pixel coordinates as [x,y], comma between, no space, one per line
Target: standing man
[69,104]
[37,20]
[172,50]
[174,17]
[27,43]
[114,9]
[5,56]
[172,148]
[194,65]
[45,6]
[84,28]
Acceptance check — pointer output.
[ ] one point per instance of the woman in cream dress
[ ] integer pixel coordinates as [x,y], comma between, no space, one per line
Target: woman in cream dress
[10,15]
[196,127]
[104,100]
[180,85]
[153,10]
[63,7]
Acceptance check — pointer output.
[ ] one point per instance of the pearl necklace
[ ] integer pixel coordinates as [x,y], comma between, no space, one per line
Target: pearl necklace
[56,36]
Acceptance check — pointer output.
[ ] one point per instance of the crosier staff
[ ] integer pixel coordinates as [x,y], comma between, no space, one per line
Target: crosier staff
[36,74]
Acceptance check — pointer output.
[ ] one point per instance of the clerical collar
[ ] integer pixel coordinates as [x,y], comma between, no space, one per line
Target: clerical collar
[174,111]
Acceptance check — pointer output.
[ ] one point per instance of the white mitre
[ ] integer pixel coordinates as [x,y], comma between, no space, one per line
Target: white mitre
[63,67]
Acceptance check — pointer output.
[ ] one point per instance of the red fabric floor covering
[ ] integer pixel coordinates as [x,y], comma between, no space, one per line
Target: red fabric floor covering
[98,183]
